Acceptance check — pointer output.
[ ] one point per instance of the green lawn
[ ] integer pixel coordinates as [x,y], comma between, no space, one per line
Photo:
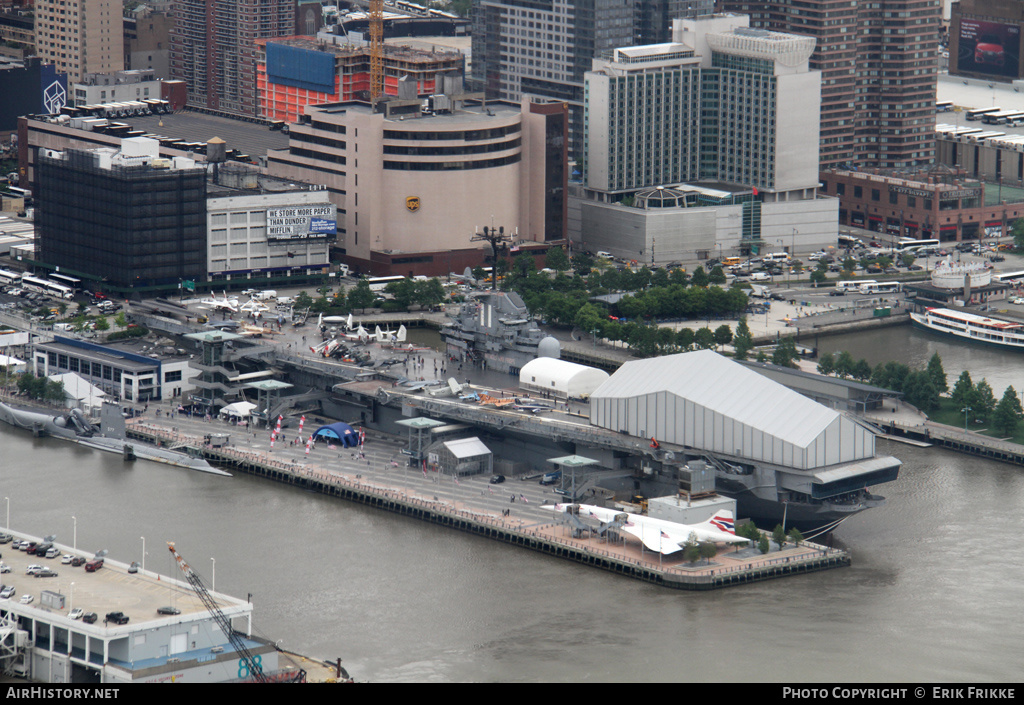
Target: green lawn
[949,414]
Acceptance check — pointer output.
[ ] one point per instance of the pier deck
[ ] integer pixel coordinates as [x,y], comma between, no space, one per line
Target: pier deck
[513,512]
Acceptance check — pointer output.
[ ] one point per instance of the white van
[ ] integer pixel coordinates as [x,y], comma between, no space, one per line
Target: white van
[601,254]
[777,257]
[266,295]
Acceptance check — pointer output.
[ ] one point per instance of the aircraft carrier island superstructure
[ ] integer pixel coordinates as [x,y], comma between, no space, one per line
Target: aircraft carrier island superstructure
[496,327]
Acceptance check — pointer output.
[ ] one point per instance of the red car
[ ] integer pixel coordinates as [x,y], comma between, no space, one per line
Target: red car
[989,51]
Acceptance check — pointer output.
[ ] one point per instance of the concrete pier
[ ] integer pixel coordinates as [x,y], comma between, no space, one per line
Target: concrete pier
[476,507]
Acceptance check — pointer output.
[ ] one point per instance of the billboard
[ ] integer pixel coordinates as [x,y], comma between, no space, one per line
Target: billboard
[301,223]
[990,48]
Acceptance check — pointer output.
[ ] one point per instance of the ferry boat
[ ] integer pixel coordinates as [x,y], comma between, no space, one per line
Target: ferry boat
[971,326]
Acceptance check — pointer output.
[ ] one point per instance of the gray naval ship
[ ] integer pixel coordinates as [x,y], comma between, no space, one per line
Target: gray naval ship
[495,329]
[108,436]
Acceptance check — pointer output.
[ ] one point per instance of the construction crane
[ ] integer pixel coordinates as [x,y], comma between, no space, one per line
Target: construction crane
[376,50]
[252,663]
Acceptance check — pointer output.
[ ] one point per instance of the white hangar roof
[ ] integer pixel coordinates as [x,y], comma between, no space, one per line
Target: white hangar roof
[708,401]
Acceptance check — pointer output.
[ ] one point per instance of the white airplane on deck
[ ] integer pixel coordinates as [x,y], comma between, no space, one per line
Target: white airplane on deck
[253,306]
[664,536]
[216,304]
[390,338]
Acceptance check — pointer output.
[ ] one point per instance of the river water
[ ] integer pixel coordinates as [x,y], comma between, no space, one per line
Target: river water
[933,594]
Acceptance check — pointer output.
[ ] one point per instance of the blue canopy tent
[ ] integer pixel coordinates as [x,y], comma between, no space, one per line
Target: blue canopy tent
[348,436]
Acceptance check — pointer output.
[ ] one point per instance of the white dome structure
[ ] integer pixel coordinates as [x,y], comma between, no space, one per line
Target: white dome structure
[559,379]
[549,347]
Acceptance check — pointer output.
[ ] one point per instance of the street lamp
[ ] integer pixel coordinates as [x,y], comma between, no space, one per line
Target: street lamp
[213,578]
[74,541]
[967,411]
[8,524]
[143,553]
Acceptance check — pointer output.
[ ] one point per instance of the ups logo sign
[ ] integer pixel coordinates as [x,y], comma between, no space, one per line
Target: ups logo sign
[412,203]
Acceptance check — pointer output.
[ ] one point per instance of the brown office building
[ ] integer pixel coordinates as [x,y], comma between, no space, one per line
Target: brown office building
[878,64]
[927,205]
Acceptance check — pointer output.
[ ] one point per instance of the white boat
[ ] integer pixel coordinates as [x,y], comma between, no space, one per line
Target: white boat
[971,326]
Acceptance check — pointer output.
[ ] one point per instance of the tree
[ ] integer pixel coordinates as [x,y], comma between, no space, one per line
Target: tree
[795,536]
[303,300]
[907,259]
[101,323]
[120,320]
[582,264]
[920,391]
[1017,230]
[691,549]
[360,296]
[861,370]
[557,260]
[1008,413]
[743,341]
[524,264]
[685,338]
[763,544]
[723,335]
[785,354]
[708,550]
[937,374]
[826,363]
[704,338]
[699,278]
[820,274]
[716,276]
[963,391]
[779,535]
[984,401]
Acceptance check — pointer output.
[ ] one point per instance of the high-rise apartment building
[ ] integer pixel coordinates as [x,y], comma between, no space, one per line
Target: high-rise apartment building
[213,48]
[522,47]
[878,62]
[80,36]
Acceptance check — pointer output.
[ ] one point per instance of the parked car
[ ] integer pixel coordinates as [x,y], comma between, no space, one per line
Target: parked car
[117,617]
[497,479]
[6,538]
[7,592]
[93,566]
[77,561]
[76,613]
[27,599]
[4,568]
[66,559]
[90,617]
[33,569]
[46,573]
[168,610]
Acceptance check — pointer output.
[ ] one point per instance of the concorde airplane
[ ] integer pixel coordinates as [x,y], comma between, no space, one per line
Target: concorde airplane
[665,536]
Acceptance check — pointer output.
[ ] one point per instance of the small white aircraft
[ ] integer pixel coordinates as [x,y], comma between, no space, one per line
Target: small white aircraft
[253,306]
[361,335]
[665,536]
[389,338]
[335,320]
[224,304]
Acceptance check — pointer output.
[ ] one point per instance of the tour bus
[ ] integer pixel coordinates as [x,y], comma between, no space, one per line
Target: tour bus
[44,286]
[1010,277]
[848,241]
[907,245]
[979,113]
[71,282]
[943,106]
[9,277]
[853,285]
[777,257]
[377,284]
[1002,117]
[869,287]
